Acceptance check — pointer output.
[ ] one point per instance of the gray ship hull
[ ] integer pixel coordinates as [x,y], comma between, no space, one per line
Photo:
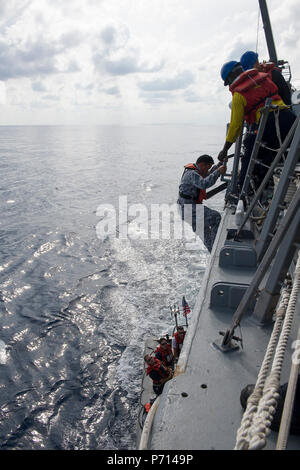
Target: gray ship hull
[232,322]
[200,408]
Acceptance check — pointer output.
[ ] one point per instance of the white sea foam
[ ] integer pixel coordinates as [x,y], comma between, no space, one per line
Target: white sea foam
[3,355]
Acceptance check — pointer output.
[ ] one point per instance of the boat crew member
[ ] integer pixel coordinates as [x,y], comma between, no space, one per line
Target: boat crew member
[158,372]
[196,178]
[250,89]
[249,60]
[177,341]
[164,353]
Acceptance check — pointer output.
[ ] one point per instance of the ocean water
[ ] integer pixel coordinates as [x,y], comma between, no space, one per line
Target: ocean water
[75,308]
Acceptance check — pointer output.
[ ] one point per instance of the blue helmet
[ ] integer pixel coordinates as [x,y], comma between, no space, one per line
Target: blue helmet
[248,60]
[226,69]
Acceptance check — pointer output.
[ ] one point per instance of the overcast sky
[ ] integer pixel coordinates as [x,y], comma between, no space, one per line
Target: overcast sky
[130,62]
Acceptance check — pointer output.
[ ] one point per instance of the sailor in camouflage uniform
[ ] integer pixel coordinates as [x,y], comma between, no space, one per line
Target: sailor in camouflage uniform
[196,178]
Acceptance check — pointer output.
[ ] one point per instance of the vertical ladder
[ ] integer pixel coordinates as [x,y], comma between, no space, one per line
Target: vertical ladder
[278,199]
[281,238]
[256,148]
[290,163]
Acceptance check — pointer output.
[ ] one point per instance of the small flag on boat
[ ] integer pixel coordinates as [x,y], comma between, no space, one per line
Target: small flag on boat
[186,309]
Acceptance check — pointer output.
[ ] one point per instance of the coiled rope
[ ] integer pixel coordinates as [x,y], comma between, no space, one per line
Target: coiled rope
[261,405]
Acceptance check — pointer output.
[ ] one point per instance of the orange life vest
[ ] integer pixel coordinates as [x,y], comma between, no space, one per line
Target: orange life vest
[201,192]
[268,67]
[256,87]
[166,354]
[147,407]
[179,340]
[158,367]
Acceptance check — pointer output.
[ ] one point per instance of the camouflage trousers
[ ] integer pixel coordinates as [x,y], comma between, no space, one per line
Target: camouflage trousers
[204,221]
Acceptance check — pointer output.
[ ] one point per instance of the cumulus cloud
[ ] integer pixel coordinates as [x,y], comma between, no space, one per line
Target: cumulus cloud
[114,36]
[11,11]
[109,50]
[238,47]
[3,6]
[38,86]
[128,64]
[87,87]
[14,65]
[114,90]
[120,55]
[192,97]
[51,97]
[69,40]
[35,57]
[108,35]
[72,67]
[180,81]
[122,66]
[157,97]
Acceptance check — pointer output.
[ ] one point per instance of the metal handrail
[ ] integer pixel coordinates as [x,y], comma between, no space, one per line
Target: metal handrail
[269,174]
[292,212]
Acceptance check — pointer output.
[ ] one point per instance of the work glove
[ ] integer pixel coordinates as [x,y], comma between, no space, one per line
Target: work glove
[222,155]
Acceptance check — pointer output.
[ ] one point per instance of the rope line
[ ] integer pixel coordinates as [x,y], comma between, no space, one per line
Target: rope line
[257,31]
[244,432]
[262,404]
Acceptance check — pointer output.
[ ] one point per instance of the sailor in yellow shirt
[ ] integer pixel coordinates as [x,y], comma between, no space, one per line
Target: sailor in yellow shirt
[250,89]
[237,115]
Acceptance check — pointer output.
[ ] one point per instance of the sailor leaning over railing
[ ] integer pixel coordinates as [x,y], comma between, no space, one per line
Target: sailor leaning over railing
[250,89]
[196,178]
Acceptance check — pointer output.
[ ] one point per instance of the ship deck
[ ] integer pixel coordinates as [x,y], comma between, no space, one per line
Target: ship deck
[200,408]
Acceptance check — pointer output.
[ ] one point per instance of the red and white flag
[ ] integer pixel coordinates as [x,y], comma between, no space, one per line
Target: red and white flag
[185,308]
